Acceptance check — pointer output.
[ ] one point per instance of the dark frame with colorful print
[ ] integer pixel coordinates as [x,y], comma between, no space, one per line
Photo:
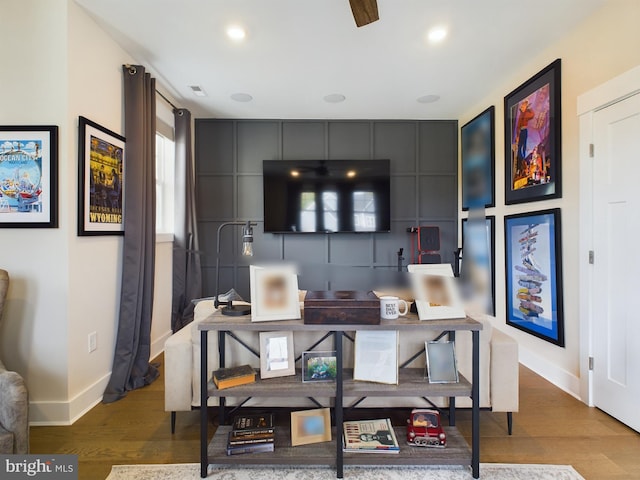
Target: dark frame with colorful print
[533,143]
[533,274]
[478,158]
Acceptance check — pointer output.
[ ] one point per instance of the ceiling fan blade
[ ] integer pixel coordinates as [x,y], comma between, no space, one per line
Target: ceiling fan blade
[364,11]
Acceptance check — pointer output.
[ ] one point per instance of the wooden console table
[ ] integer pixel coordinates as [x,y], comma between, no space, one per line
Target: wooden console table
[411,383]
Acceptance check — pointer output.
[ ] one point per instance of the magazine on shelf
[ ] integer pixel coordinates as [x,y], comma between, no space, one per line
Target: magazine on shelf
[370,436]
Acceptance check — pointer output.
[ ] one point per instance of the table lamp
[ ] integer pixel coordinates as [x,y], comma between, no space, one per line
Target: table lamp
[247,250]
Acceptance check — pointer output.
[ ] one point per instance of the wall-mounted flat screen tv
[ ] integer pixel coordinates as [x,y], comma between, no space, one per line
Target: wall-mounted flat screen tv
[326,196]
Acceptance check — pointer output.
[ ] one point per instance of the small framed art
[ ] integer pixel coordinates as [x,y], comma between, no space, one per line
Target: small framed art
[29,176]
[310,426]
[532,122]
[276,354]
[441,362]
[478,161]
[319,366]
[533,260]
[274,293]
[436,292]
[101,180]
[477,265]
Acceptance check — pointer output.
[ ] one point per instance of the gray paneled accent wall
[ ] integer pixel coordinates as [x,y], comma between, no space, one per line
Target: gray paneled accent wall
[229,154]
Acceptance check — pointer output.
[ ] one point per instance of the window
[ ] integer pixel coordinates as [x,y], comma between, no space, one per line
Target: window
[165,156]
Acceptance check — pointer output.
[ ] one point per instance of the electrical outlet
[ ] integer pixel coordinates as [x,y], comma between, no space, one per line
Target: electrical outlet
[93,341]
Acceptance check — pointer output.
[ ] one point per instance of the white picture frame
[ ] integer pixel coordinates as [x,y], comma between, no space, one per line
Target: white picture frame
[442,366]
[376,356]
[274,293]
[277,358]
[436,292]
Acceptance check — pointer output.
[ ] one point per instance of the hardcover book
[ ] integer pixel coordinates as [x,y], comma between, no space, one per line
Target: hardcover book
[252,422]
[370,436]
[234,376]
[250,448]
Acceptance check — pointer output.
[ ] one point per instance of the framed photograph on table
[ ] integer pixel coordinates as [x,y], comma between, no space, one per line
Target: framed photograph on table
[310,426]
[29,176]
[532,122]
[533,259]
[318,366]
[441,362]
[478,161]
[101,180]
[274,293]
[478,263]
[276,354]
[436,292]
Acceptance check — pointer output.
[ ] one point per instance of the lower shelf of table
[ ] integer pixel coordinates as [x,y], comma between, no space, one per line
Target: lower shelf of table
[457,452]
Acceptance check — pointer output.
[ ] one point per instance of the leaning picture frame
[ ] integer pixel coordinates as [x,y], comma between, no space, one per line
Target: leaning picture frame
[436,292]
[477,153]
[533,147]
[442,366]
[319,366]
[310,426]
[29,176]
[274,293]
[101,182]
[277,358]
[533,261]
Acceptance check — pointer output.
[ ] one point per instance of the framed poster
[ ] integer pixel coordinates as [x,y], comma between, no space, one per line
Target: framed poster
[29,176]
[101,180]
[274,293]
[533,145]
[533,259]
[276,354]
[478,161]
[478,259]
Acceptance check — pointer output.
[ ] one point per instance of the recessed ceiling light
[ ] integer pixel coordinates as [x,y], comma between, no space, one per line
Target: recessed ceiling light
[335,98]
[437,34]
[428,98]
[236,33]
[241,97]
[198,91]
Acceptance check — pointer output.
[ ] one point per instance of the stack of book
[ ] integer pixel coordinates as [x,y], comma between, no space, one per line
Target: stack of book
[234,376]
[370,436]
[251,434]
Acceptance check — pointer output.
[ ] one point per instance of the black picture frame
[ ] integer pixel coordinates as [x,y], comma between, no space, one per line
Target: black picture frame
[101,182]
[28,176]
[478,158]
[533,143]
[479,255]
[533,264]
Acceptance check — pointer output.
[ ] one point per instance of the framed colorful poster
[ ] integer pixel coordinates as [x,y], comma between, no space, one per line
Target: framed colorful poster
[29,176]
[533,259]
[533,145]
[478,161]
[477,265]
[101,180]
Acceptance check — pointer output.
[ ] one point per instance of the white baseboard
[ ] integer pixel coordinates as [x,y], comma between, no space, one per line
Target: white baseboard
[560,378]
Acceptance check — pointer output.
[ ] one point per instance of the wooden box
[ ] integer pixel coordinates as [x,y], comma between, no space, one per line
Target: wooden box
[341,307]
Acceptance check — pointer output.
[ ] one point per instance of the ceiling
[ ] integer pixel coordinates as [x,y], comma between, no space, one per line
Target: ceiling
[296,52]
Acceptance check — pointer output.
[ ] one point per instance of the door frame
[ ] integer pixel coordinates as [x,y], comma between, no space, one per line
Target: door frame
[602,96]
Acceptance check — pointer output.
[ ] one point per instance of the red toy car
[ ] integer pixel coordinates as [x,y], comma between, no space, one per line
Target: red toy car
[424,429]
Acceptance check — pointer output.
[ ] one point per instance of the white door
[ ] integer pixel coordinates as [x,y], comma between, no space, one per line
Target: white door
[616,292]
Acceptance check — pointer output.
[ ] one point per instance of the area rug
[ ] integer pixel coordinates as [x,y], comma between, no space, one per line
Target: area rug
[488,471]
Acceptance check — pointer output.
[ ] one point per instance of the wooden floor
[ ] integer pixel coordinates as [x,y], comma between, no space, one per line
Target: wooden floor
[551,427]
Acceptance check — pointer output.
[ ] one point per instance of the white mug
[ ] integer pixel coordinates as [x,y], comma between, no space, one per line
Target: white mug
[390,307]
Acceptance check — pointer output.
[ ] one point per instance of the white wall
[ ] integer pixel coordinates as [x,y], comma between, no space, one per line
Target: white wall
[60,65]
[603,47]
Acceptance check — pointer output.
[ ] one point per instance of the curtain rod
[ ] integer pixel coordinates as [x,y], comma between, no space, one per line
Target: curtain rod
[167,100]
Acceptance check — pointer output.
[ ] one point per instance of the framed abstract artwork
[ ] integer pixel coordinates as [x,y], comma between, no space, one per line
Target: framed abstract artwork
[478,161]
[28,176]
[533,260]
[101,181]
[532,122]
[478,261]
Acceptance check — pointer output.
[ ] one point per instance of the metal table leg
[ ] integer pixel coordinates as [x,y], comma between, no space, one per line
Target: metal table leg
[475,410]
[204,460]
[338,406]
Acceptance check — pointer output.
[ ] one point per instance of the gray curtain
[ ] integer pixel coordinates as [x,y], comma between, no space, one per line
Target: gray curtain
[187,277]
[131,368]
